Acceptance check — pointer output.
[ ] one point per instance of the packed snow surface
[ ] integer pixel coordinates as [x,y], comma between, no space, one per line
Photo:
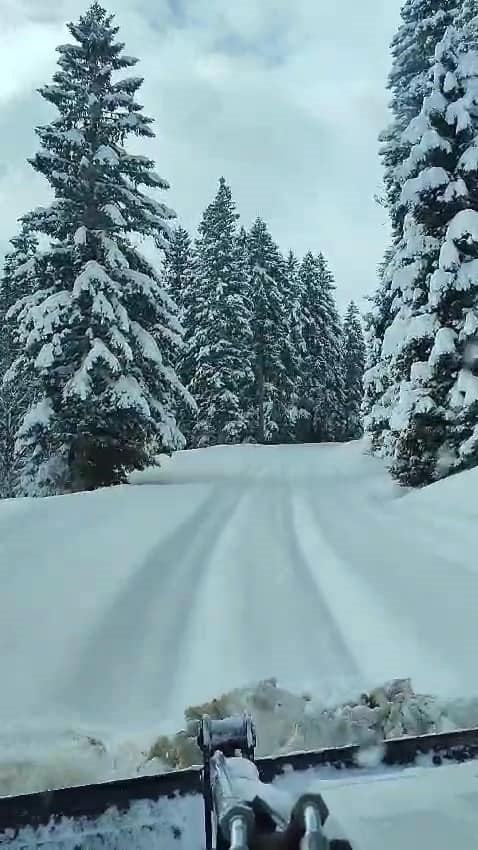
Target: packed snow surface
[435,810]
[121,608]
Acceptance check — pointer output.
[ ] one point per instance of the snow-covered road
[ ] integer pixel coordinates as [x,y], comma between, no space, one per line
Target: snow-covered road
[122,607]
[321,576]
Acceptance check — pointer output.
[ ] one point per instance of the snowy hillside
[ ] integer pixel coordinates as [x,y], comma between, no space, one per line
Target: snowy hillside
[229,565]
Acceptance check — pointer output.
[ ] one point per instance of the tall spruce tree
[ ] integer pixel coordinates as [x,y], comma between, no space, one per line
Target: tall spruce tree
[313,361]
[289,288]
[99,330]
[423,24]
[437,413]
[354,364]
[218,328]
[377,381]
[274,361]
[297,347]
[180,270]
[16,385]
[182,277]
[179,266]
[322,371]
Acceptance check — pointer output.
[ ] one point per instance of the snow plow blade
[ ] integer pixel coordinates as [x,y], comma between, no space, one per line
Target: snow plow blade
[177,810]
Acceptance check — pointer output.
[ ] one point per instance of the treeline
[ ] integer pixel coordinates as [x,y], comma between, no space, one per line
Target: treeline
[108,359]
[265,355]
[421,385]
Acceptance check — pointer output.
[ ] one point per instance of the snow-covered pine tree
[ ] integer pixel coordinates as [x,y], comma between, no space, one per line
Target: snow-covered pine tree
[288,281]
[377,383]
[16,389]
[179,267]
[423,24]
[313,360]
[100,330]
[218,328]
[333,333]
[274,361]
[354,364]
[437,414]
[181,273]
[242,238]
[409,329]
[249,399]
[322,369]
[465,16]
[297,413]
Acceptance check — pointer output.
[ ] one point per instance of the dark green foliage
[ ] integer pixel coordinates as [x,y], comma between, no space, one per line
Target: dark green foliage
[322,385]
[17,389]
[217,319]
[274,357]
[354,364]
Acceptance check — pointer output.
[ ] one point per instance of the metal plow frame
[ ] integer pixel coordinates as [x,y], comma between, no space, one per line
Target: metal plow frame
[89,802]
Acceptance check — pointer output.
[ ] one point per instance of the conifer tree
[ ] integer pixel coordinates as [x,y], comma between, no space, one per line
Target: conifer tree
[437,413]
[323,382]
[466,21]
[297,414]
[354,364]
[218,328]
[423,24]
[100,329]
[289,288]
[16,386]
[377,381]
[313,362]
[274,364]
[180,268]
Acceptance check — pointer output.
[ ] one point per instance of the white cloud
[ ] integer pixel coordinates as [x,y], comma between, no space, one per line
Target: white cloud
[26,56]
[285,100]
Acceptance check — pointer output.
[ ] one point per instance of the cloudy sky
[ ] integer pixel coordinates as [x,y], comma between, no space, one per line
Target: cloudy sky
[285,99]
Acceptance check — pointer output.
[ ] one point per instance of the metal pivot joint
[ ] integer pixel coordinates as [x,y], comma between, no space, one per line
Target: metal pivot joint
[219,740]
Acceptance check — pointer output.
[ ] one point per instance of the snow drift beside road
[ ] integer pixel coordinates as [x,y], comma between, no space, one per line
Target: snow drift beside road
[287,722]
[120,608]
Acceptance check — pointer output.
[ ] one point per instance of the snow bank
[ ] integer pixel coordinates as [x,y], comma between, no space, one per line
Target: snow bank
[453,497]
[288,722]
[50,756]
[285,723]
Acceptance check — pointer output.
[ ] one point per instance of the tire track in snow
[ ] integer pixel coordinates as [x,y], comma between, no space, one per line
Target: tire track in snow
[222,649]
[130,660]
[336,664]
[388,635]
[176,665]
[260,613]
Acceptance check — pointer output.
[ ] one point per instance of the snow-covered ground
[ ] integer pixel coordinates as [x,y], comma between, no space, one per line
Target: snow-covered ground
[434,810]
[229,565]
